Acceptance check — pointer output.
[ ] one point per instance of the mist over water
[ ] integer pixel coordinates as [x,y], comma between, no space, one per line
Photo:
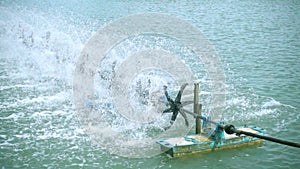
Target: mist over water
[40,43]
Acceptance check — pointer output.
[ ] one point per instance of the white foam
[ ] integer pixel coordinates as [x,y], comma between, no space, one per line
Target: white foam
[271,103]
[14,116]
[16,86]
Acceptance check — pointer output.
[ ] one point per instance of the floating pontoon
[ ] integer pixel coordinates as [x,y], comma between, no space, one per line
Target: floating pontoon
[207,138]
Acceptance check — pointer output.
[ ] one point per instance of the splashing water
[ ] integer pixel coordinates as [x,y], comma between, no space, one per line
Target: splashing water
[39,49]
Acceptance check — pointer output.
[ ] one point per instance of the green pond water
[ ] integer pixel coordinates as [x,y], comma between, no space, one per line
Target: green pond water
[258,43]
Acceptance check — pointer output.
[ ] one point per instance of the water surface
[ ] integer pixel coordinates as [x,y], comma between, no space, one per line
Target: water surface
[40,41]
